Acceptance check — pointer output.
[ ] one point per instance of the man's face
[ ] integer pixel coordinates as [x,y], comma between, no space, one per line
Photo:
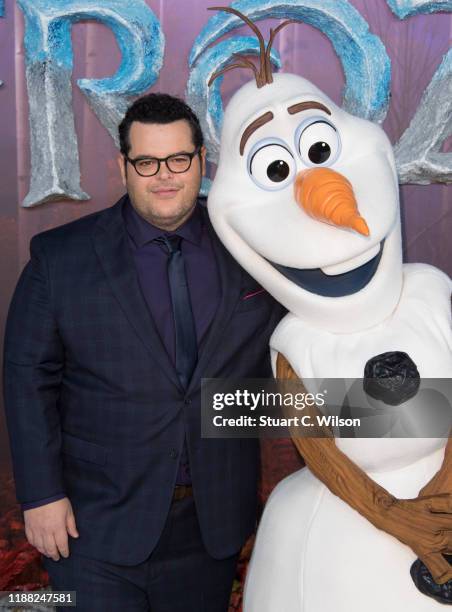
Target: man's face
[166,199]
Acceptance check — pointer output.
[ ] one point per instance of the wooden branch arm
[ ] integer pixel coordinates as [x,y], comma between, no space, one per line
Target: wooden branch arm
[424,524]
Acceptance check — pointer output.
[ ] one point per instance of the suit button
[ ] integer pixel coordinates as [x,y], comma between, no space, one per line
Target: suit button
[173,453]
[187,401]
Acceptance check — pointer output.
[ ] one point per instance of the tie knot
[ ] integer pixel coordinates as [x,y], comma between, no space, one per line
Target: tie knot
[171,243]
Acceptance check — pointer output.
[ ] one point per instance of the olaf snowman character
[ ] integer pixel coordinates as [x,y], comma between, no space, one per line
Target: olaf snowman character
[314,217]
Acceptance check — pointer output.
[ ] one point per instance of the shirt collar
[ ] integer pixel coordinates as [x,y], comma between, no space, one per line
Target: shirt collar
[142,232]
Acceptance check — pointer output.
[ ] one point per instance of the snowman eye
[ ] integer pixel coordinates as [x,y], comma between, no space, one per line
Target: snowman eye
[271,165]
[318,142]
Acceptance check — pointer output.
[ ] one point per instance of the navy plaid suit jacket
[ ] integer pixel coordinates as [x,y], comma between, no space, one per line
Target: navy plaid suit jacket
[94,405]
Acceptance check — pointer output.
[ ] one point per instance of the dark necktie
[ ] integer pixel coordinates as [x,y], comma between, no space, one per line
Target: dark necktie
[184,324]
[184,327]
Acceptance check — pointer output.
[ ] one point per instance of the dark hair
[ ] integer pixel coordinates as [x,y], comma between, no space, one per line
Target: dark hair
[158,108]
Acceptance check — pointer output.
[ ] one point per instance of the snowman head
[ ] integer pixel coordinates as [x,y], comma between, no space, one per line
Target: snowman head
[306,199]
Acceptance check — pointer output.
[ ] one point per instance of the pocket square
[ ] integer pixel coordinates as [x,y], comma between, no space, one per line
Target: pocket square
[253,293]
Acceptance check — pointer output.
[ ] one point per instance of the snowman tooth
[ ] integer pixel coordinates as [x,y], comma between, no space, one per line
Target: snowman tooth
[353,263]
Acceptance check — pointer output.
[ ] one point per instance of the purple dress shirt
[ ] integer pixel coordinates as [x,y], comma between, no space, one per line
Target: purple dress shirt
[151,263]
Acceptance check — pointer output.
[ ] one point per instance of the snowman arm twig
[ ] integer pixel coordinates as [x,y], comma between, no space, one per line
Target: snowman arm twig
[424,524]
[442,480]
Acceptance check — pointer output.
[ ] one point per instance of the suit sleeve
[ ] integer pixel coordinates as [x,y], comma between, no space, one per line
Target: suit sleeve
[42,502]
[33,366]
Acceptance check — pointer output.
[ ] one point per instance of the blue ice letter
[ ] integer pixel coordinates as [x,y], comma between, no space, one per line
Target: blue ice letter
[363,56]
[418,152]
[406,8]
[54,155]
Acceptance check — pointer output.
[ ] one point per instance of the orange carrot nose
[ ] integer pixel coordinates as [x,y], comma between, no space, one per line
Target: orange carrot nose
[328,196]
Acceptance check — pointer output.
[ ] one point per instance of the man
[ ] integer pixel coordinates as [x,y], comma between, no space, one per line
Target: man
[115,320]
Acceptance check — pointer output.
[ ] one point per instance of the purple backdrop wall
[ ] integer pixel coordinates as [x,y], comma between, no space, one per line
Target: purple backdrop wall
[415,47]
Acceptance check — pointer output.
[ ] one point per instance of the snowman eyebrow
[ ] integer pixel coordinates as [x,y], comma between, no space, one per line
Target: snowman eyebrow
[301,106]
[257,123]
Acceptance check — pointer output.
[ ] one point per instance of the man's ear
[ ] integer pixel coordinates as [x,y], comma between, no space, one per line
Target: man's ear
[202,154]
[123,169]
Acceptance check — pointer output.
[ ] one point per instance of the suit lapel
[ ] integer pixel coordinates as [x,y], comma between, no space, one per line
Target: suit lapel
[110,243]
[230,283]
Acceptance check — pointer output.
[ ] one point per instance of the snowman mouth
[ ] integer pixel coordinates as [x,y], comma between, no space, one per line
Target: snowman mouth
[333,285]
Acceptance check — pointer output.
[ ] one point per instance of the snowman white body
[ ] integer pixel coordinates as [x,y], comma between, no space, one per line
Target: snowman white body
[313,552]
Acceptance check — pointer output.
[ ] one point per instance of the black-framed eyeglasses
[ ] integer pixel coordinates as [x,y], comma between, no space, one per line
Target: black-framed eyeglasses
[176,163]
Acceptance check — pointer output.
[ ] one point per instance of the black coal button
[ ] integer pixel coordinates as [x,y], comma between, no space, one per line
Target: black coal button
[391,377]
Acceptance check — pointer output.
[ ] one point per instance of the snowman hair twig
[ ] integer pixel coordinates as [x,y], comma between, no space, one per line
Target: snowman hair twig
[263,76]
